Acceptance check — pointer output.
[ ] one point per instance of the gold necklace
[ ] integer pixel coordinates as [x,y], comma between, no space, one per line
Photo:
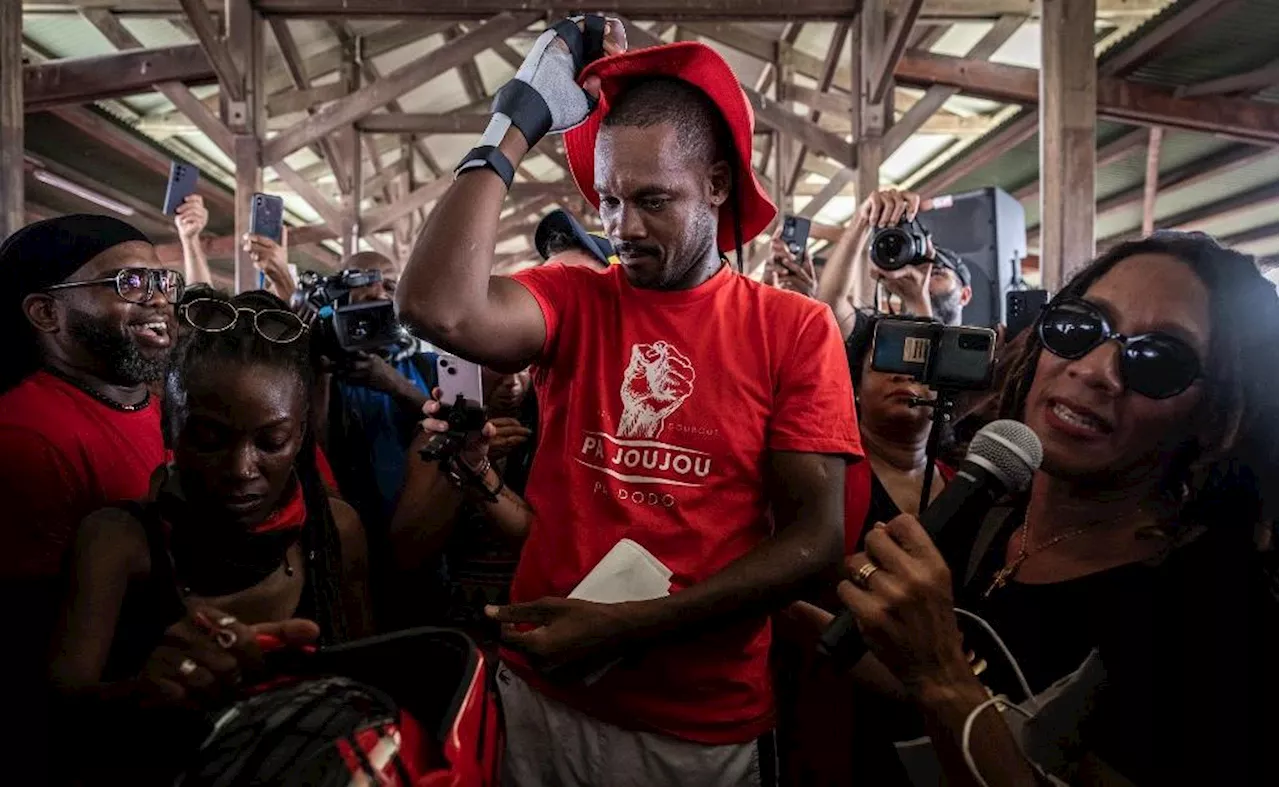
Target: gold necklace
[1010,570]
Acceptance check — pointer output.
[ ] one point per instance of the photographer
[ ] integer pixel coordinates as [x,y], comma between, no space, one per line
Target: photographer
[936,285]
[375,402]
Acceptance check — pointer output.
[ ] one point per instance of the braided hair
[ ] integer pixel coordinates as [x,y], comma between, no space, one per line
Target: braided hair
[243,346]
[1232,479]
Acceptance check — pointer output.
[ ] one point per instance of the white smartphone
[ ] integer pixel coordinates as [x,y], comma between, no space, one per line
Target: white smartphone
[455,376]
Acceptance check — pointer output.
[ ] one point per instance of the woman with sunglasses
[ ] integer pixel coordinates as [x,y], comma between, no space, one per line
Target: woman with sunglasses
[1126,585]
[238,531]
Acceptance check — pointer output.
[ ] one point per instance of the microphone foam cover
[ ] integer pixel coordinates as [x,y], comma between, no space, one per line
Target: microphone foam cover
[1010,450]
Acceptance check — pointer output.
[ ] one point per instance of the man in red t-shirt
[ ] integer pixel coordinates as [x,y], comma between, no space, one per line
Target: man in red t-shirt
[87,310]
[695,412]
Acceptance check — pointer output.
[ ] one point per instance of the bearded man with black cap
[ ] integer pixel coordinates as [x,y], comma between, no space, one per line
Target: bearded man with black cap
[698,422]
[87,313]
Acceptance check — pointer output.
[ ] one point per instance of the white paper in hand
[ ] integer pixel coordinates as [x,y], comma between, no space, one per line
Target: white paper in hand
[628,573]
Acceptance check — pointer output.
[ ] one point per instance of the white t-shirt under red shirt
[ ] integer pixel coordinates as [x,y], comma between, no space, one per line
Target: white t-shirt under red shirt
[658,410]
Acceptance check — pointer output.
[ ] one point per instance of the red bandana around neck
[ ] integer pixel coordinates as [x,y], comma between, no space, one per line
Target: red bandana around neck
[289,516]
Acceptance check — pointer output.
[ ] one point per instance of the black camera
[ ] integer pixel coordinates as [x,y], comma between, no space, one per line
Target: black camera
[341,326]
[892,248]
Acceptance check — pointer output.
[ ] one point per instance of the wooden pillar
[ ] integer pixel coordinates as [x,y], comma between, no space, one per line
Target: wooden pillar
[869,123]
[784,146]
[247,122]
[1152,183]
[1068,115]
[12,207]
[349,142]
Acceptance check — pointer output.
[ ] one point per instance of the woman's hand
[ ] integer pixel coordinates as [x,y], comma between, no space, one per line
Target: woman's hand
[190,218]
[206,655]
[904,606]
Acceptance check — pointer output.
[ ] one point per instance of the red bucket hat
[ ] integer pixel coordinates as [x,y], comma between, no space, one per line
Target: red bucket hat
[702,67]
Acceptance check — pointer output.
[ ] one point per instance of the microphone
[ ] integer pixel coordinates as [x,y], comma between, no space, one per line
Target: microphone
[1002,458]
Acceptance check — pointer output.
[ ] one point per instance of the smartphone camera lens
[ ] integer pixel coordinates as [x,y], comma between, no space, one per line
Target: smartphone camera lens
[975,342]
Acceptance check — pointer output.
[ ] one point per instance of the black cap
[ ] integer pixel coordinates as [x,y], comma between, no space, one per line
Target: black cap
[559,222]
[945,258]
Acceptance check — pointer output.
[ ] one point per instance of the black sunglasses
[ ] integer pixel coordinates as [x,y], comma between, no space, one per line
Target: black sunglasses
[214,316]
[1155,365]
[137,285]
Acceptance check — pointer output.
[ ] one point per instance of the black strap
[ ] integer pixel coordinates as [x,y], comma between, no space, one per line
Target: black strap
[594,35]
[491,158]
[526,108]
[568,31]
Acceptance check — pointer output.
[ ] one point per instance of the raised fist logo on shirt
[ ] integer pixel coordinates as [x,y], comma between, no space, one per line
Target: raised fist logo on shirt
[657,381]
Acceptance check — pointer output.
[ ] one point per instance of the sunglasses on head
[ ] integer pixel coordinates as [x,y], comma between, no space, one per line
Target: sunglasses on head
[214,316]
[1155,364]
[137,285]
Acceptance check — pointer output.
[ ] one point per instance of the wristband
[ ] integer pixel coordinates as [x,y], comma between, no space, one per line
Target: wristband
[487,157]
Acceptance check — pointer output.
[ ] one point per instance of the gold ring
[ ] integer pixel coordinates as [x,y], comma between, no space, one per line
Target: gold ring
[862,577]
[187,666]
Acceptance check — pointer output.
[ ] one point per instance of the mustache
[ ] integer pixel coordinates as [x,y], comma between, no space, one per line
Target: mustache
[635,249]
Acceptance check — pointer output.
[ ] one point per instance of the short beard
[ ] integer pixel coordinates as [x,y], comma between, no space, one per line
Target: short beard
[947,308]
[120,356]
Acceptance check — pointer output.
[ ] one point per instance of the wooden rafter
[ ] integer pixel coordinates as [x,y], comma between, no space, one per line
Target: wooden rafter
[895,43]
[1170,27]
[401,81]
[1151,180]
[1120,100]
[80,80]
[206,30]
[178,94]
[1119,148]
[1202,216]
[829,65]
[1235,84]
[938,95]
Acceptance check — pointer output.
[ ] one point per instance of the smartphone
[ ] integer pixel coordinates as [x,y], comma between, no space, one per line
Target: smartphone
[455,377]
[267,217]
[940,356]
[795,234]
[1022,308]
[182,184]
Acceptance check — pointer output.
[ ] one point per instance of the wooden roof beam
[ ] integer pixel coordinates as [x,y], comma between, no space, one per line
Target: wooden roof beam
[206,30]
[362,102]
[667,10]
[1170,27]
[1246,83]
[895,42]
[1199,217]
[82,80]
[1126,102]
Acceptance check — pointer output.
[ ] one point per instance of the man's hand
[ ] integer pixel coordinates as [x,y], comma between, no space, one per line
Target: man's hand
[911,284]
[888,207]
[191,218]
[372,371]
[273,260]
[565,630]
[785,273]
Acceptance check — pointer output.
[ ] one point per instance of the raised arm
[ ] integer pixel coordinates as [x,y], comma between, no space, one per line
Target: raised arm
[446,292]
[191,219]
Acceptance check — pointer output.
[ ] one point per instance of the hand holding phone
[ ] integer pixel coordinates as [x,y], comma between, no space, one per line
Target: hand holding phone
[267,217]
[183,179]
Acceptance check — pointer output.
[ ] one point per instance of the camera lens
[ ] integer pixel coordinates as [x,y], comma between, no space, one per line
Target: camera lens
[890,249]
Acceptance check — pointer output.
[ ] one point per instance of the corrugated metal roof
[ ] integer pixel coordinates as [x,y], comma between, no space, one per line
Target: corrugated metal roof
[1240,38]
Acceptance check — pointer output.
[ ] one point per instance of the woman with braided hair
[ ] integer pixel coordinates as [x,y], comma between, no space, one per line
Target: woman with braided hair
[238,536]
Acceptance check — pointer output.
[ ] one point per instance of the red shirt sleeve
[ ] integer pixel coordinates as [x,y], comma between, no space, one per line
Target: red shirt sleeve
[813,407]
[551,286]
[41,490]
[326,471]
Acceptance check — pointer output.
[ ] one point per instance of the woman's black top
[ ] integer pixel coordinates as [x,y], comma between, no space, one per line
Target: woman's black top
[1189,648]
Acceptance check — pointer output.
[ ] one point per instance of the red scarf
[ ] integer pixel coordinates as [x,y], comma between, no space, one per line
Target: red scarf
[289,516]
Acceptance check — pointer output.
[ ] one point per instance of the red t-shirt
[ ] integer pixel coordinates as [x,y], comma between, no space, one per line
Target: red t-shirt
[657,413]
[63,455]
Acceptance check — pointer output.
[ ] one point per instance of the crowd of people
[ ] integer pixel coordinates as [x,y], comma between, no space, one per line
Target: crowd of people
[189,471]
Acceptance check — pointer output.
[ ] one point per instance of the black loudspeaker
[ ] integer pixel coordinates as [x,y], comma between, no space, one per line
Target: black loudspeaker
[988,229]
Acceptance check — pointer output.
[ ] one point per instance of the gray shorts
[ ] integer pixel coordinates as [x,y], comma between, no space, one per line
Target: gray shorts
[552,745]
